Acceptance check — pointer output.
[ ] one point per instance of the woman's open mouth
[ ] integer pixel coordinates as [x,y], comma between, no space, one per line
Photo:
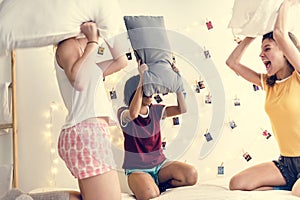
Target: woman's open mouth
[267,64]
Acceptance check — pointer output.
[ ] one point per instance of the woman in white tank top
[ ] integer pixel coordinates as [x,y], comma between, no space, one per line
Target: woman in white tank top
[84,142]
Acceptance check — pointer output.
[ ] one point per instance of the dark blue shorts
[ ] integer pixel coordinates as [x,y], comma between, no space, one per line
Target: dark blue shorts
[290,170]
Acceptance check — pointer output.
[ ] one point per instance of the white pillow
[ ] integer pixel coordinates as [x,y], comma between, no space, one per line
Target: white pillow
[253,18]
[5,179]
[41,22]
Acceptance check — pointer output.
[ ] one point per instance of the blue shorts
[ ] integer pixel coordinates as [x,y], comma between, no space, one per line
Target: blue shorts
[290,170]
[153,172]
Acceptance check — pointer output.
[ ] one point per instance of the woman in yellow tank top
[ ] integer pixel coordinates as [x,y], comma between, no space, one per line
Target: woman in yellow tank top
[280,54]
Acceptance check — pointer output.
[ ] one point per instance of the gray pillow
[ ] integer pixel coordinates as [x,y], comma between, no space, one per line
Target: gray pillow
[16,194]
[148,38]
[51,195]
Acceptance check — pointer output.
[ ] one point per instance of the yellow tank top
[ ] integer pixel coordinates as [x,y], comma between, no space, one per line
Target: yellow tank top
[283,108]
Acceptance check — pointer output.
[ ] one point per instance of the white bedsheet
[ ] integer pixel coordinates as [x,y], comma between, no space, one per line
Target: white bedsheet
[217,190]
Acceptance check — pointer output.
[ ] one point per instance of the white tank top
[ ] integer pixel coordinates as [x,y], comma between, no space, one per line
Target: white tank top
[91,102]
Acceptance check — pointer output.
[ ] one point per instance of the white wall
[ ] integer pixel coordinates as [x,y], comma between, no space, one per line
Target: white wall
[37,89]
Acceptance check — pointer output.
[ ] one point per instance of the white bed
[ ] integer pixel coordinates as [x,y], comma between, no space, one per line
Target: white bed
[218,190]
[207,191]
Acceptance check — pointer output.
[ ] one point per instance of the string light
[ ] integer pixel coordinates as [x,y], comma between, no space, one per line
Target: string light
[49,134]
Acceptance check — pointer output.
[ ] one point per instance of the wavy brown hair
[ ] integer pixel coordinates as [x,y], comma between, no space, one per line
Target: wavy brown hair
[272,79]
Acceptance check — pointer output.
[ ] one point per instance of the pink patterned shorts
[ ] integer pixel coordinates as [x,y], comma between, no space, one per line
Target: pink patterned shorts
[86,149]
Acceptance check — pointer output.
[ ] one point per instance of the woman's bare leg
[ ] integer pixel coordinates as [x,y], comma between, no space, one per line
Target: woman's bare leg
[259,177]
[296,188]
[73,195]
[105,187]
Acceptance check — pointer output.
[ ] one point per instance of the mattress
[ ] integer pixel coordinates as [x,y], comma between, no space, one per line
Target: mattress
[218,190]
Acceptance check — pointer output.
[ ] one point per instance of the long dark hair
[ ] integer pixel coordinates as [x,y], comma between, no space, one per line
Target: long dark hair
[272,79]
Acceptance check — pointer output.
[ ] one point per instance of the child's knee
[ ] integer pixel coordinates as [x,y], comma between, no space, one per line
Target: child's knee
[192,177]
[147,194]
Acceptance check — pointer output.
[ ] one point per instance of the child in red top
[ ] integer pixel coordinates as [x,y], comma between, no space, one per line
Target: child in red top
[149,172]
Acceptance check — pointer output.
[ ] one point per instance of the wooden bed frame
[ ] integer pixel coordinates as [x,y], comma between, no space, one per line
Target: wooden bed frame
[13,124]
